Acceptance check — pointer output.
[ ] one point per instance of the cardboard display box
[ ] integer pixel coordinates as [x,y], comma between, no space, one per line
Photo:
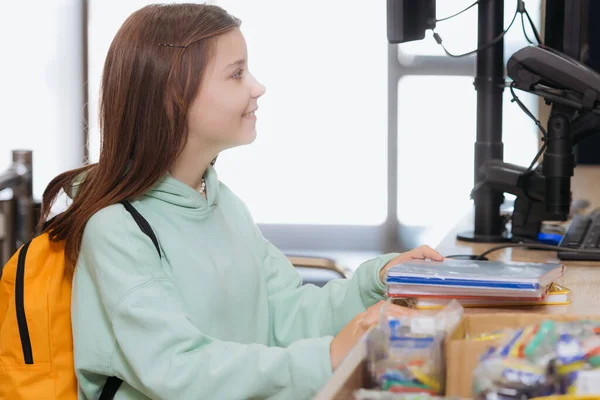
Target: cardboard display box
[463,348]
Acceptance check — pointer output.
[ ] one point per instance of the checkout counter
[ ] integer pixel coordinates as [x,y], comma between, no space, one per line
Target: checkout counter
[581,277]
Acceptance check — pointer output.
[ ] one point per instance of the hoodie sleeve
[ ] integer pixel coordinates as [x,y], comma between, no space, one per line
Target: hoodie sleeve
[160,352]
[306,311]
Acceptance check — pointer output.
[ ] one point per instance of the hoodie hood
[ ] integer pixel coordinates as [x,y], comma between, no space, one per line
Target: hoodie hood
[172,191]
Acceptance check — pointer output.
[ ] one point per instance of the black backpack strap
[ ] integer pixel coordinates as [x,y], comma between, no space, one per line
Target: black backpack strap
[110,388]
[112,382]
[47,223]
[142,223]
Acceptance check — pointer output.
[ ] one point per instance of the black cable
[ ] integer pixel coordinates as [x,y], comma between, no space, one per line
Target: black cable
[535,31]
[523,107]
[534,246]
[438,39]
[465,257]
[537,156]
[530,246]
[458,13]
[525,30]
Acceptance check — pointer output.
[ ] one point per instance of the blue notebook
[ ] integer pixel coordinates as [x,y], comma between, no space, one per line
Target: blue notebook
[475,274]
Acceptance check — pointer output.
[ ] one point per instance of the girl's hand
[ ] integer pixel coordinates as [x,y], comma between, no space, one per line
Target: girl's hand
[419,253]
[350,334]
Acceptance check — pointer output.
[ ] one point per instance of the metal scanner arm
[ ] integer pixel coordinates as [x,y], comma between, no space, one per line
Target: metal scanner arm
[544,194]
[544,68]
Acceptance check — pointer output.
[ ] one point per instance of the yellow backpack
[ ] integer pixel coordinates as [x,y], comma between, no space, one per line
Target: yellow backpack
[36,342]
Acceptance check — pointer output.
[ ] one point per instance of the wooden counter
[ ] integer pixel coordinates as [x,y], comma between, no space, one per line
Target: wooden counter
[582,277]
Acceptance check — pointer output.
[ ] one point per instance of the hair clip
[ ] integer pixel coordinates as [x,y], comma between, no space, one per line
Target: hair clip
[171,45]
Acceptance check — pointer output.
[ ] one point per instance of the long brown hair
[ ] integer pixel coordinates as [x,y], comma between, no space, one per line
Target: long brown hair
[152,73]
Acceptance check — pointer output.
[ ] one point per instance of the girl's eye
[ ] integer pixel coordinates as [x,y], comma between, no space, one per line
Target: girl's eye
[238,75]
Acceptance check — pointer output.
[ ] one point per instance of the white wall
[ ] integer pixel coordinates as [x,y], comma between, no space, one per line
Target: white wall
[41,89]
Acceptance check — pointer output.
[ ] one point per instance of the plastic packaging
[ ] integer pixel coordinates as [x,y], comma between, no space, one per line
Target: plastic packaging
[550,358]
[406,355]
[365,394]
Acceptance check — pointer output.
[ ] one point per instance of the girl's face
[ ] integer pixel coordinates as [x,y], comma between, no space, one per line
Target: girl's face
[223,116]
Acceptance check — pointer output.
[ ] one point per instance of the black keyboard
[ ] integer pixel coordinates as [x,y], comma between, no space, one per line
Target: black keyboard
[582,233]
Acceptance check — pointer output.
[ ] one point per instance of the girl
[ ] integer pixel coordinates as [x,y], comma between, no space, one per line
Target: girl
[219,313]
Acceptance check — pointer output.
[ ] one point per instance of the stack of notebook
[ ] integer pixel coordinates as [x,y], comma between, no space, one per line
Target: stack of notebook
[431,284]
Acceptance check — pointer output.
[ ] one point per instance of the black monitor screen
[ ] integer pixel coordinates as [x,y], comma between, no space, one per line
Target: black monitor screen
[567,28]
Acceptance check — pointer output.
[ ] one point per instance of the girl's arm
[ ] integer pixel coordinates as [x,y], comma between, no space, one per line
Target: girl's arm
[158,350]
[307,311]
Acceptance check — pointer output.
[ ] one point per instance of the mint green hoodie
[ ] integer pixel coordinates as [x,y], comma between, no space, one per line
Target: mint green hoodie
[221,315]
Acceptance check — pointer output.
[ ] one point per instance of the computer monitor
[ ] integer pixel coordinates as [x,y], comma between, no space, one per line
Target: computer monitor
[407,20]
[567,27]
